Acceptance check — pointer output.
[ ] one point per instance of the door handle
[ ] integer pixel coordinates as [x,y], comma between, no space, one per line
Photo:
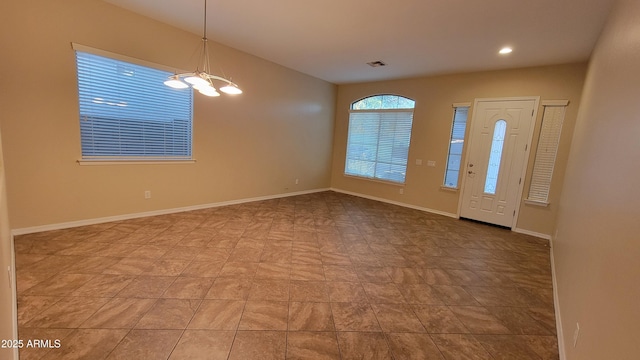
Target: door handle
[470,172]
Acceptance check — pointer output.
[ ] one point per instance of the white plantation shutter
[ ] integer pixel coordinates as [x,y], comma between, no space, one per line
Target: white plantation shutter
[545,159]
[378,144]
[127,113]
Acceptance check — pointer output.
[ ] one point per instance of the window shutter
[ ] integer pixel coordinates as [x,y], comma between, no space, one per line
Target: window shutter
[127,113]
[378,144]
[545,158]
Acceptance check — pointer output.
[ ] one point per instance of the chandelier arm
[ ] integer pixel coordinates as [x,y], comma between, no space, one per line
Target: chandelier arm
[207,64]
[181,75]
[216,77]
[208,76]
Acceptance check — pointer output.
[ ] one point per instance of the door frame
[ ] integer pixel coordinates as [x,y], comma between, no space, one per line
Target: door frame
[463,180]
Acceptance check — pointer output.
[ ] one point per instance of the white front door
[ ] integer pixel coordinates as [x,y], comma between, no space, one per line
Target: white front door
[496,159]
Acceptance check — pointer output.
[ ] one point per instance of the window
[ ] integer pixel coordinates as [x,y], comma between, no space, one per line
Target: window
[454,158]
[545,159]
[379,137]
[127,113]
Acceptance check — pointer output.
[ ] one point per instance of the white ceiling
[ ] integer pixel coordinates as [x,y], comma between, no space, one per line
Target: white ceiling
[334,39]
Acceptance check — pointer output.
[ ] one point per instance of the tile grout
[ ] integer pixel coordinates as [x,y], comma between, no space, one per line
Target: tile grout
[317,232]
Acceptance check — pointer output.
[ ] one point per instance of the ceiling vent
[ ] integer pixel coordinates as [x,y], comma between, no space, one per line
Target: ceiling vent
[376,63]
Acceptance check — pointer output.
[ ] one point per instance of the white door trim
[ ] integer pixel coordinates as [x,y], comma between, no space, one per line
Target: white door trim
[536,100]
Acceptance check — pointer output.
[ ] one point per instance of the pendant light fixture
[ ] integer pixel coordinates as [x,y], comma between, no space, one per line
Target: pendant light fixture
[201,79]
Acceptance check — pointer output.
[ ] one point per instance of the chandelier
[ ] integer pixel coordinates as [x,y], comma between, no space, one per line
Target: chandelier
[201,78]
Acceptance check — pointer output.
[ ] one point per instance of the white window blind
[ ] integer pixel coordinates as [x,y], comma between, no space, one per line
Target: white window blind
[546,152]
[378,144]
[127,113]
[454,158]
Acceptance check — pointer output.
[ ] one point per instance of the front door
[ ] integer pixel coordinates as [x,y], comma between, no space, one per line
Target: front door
[496,159]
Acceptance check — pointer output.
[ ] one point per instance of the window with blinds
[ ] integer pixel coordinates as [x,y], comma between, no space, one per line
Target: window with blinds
[552,119]
[456,144]
[127,113]
[379,138]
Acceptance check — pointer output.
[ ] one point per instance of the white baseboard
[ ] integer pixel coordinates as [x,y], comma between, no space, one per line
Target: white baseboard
[532,233]
[443,213]
[556,306]
[72,224]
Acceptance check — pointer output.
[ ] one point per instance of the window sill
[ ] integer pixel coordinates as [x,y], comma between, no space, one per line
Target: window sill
[374,180]
[447,188]
[85,162]
[536,203]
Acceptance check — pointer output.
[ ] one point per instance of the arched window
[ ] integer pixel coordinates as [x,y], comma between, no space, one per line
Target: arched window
[379,137]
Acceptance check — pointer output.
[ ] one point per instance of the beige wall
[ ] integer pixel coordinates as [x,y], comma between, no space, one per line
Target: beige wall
[432,126]
[597,249]
[252,145]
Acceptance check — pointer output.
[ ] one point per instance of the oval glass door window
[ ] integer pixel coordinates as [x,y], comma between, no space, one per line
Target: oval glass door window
[495,156]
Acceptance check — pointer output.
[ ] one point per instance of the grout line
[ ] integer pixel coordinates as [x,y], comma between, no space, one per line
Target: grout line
[361,237]
[176,344]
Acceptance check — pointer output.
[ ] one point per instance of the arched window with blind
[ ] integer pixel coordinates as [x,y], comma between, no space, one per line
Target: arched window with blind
[379,138]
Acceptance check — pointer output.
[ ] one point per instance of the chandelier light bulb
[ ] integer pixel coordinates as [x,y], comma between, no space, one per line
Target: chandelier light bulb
[201,86]
[175,83]
[208,91]
[196,80]
[231,89]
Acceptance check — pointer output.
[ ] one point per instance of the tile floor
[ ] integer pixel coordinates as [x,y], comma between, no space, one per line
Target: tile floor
[318,276]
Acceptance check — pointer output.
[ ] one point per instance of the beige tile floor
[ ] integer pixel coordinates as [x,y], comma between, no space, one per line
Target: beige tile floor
[319,276]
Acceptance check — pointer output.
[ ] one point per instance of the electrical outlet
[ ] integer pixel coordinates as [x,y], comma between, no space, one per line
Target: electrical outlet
[401,191]
[575,335]
[147,194]
[297,181]
[431,163]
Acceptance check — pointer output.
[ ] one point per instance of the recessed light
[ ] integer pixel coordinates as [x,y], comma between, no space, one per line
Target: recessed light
[505,50]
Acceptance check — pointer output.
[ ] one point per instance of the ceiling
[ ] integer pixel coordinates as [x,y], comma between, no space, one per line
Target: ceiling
[334,39]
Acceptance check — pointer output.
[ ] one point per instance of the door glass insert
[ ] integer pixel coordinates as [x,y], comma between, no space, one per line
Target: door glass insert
[494,157]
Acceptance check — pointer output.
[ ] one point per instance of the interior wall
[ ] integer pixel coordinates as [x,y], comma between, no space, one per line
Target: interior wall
[252,145]
[597,246]
[432,119]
